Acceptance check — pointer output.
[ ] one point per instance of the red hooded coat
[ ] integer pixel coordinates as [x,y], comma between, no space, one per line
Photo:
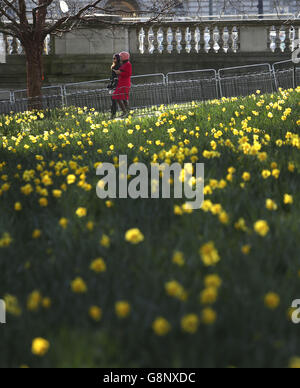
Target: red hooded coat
[124,82]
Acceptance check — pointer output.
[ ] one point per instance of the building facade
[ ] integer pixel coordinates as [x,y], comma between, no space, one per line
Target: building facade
[213,7]
[240,7]
[194,7]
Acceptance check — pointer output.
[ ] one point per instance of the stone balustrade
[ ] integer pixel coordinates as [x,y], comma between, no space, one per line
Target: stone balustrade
[171,46]
[187,39]
[14,47]
[173,38]
[217,37]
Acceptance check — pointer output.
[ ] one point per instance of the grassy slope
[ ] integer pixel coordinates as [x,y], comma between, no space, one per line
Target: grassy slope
[246,333]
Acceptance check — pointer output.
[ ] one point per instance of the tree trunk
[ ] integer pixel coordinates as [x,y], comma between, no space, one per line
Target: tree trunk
[34,64]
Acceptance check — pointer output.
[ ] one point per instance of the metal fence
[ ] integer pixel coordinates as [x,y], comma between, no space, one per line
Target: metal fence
[153,90]
[5,107]
[287,74]
[97,85]
[27,104]
[48,91]
[79,87]
[246,80]
[5,95]
[97,99]
[187,86]
[149,79]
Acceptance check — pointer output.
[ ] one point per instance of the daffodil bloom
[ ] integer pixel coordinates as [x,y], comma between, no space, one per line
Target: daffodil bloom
[40,346]
[134,236]
[122,309]
[98,265]
[79,286]
[261,227]
[95,313]
[190,323]
[272,300]
[208,316]
[161,326]
[209,254]
[288,199]
[81,212]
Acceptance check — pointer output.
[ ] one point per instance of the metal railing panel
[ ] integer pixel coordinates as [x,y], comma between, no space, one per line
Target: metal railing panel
[246,80]
[196,85]
[47,91]
[153,90]
[79,87]
[287,74]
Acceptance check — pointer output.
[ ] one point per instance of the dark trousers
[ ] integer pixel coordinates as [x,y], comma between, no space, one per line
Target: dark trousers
[114,107]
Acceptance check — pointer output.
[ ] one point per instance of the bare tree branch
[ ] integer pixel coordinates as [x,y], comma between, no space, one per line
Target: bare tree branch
[15,26]
[47,18]
[39,8]
[68,19]
[68,23]
[22,14]
[11,6]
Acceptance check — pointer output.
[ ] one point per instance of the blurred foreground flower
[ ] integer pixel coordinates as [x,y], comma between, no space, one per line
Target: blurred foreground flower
[178,258]
[161,326]
[78,286]
[95,313]
[288,199]
[98,265]
[190,323]
[208,316]
[122,309]
[176,290]
[209,254]
[40,346]
[295,363]
[262,228]
[63,222]
[12,305]
[272,300]
[5,240]
[81,212]
[34,300]
[134,236]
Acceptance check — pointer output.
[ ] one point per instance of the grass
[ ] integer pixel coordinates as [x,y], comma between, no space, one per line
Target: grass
[245,321]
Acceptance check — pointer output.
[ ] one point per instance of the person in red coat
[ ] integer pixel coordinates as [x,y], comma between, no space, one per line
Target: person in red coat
[121,94]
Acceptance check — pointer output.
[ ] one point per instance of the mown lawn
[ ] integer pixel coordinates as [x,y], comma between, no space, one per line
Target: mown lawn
[203,288]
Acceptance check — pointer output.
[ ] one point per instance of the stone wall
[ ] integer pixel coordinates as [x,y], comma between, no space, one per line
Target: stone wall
[86,54]
[61,69]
